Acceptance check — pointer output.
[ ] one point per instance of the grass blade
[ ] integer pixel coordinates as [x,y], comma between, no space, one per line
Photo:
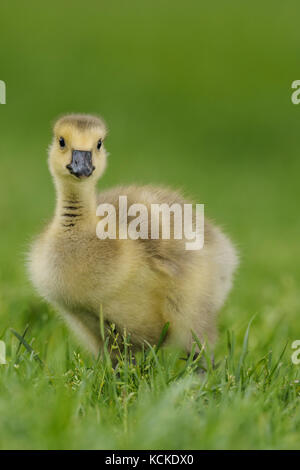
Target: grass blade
[27,346]
[162,336]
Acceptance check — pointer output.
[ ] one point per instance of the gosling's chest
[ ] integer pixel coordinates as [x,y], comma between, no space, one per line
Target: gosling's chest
[66,271]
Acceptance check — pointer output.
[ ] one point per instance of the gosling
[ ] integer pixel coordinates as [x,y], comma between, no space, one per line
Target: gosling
[139,285]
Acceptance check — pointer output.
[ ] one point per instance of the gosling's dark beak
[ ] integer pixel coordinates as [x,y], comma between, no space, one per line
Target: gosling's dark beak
[81,164]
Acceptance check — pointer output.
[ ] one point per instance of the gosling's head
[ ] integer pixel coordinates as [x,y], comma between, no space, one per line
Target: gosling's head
[77,152]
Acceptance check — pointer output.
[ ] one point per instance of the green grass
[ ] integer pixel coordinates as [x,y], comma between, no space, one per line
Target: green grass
[196,97]
[157,401]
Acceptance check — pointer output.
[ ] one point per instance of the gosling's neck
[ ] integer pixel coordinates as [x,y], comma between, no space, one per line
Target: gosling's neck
[75,207]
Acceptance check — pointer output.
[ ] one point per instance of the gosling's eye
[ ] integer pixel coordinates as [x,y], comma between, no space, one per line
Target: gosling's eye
[99,144]
[62,142]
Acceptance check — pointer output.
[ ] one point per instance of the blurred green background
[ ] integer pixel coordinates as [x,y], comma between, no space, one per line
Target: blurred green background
[196,95]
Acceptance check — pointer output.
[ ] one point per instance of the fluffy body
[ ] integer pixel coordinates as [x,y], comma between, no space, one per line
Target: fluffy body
[140,284]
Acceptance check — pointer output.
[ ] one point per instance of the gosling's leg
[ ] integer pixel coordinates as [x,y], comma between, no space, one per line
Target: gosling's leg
[86,327]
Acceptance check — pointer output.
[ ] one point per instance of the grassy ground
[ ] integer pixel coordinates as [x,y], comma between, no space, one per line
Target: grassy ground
[197,98]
